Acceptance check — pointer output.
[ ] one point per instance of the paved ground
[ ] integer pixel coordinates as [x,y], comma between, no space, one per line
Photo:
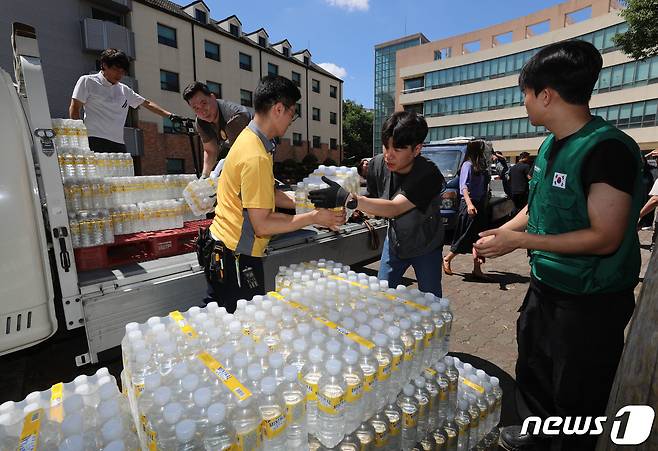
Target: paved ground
[486,312]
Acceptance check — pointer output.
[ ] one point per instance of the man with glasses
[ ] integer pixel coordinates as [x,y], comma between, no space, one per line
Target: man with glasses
[218,122]
[245,216]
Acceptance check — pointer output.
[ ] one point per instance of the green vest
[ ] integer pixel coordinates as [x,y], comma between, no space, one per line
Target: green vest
[557,204]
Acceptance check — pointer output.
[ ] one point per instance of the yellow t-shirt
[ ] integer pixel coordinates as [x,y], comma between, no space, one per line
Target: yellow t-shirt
[246,181]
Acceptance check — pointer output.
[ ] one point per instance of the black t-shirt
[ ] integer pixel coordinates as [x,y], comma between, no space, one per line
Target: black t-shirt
[519,177]
[610,162]
[419,186]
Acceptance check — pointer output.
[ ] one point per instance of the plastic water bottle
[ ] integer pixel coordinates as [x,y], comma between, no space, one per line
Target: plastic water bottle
[453,382]
[423,398]
[272,413]
[276,362]
[368,366]
[245,420]
[312,372]
[353,377]
[447,320]
[408,405]
[433,390]
[202,399]
[463,421]
[185,434]
[298,357]
[381,424]
[365,433]
[331,405]
[294,396]
[450,429]
[220,435]
[396,348]
[383,357]
[498,393]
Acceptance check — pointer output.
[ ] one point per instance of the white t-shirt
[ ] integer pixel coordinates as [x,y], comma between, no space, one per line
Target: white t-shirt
[106,105]
[654,189]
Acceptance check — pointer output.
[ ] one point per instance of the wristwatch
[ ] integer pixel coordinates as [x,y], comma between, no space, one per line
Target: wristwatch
[352,202]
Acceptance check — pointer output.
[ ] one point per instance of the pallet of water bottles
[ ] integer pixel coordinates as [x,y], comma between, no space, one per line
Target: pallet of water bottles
[140,247]
[88,413]
[331,359]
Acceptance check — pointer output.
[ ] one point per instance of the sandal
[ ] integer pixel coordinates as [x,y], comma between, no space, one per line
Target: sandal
[446,268]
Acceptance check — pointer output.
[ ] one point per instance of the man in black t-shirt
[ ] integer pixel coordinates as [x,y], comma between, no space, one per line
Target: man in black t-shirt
[520,174]
[404,187]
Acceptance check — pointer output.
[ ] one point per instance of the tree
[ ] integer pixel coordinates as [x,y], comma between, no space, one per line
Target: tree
[357,132]
[641,39]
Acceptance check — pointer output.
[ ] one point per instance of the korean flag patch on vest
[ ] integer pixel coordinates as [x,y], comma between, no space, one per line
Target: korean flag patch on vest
[560,180]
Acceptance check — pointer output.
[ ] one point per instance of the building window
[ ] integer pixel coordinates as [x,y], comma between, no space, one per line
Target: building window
[437,55]
[169,81]
[201,16]
[245,61]
[167,35]
[234,30]
[297,78]
[414,84]
[299,109]
[296,139]
[107,17]
[316,114]
[316,142]
[212,51]
[246,98]
[167,125]
[333,91]
[315,85]
[333,143]
[286,52]
[175,166]
[332,118]
[272,69]
[262,41]
[215,88]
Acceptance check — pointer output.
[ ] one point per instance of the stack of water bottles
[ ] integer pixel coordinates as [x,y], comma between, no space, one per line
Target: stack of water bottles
[348,178]
[88,413]
[332,353]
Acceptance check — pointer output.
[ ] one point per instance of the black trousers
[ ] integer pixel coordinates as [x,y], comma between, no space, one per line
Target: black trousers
[520,200]
[223,285]
[569,348]
[105,145]
[468,227]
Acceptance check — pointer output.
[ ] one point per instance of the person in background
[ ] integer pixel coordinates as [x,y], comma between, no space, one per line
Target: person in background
[649,207]
[520,174]
[474,191]
[218,122]
[362,169]
[580,228]
[245,217]
[106,100]
[406,188]
[503,171]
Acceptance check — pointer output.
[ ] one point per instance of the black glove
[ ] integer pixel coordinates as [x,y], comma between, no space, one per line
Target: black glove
[332,197]
[175,118]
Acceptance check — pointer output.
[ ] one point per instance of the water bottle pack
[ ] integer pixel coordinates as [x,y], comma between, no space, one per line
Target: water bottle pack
[201,195]
[88,413]
[331,354]
[348,178]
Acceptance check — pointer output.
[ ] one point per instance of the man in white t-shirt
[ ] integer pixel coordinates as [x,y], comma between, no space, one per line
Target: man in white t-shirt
[651,204]
[106,100]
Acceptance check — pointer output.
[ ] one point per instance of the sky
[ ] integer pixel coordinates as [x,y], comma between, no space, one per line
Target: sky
[342,34]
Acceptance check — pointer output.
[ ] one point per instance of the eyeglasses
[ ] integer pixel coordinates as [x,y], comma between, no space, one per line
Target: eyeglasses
[295,115]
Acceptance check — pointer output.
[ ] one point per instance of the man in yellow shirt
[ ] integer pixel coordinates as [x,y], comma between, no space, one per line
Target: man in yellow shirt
[245,216]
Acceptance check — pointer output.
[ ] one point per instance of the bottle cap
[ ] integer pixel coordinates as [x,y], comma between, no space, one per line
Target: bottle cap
[463,404]
[290,373]
[393,332]
[261,349]
[380,339]
[73,404]
[73,424]
[143,356]
[494,381]
[408,390]
[112,430]
[240,360]
[116,445]
[190,382]
[315,355]
[333,346]
[350,356]
[260,316]
[254,371]
[268,385]
[419,381]
[435,306]
[235,327]
[172,412]
[185,430]
[82,379]
[377,324]
[287,335]
[152,381]
[303,328]
[107,409]
[107,389]
[241,304]
[317,336]
[180,370]
[152,321]
[440,367]
[216,413]
[276,360]
[333,366]
[162,396]
[299,345]
[72,443]
[132,327]
[364,331]
[348,323]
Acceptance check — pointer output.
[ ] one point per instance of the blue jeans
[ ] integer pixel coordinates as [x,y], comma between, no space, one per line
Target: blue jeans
[427,268]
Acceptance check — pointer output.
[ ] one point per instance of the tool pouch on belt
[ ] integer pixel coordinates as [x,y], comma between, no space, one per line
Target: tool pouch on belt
[204,247]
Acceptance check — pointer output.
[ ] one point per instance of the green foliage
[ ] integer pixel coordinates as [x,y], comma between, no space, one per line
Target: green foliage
[357,132]
[641,39]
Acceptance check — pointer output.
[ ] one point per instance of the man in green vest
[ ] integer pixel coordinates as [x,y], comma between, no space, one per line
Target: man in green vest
[579,226]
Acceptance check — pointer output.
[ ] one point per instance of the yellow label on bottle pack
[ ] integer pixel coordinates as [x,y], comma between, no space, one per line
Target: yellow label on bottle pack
[152,440]
[394,429]
[430,371]
[409,419]
[354,392]
[428,339]
[409,354]
[184,326]
[331,405]
[443,393]
[369,382]
[293,304]
[138,389]
[474,386]
[383,371]
[248,440]
[234,385]
[381,439]
[351,335]
[29,439]
[295,412]
[56,406]
[395,363]
[311,391]
[272,427]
